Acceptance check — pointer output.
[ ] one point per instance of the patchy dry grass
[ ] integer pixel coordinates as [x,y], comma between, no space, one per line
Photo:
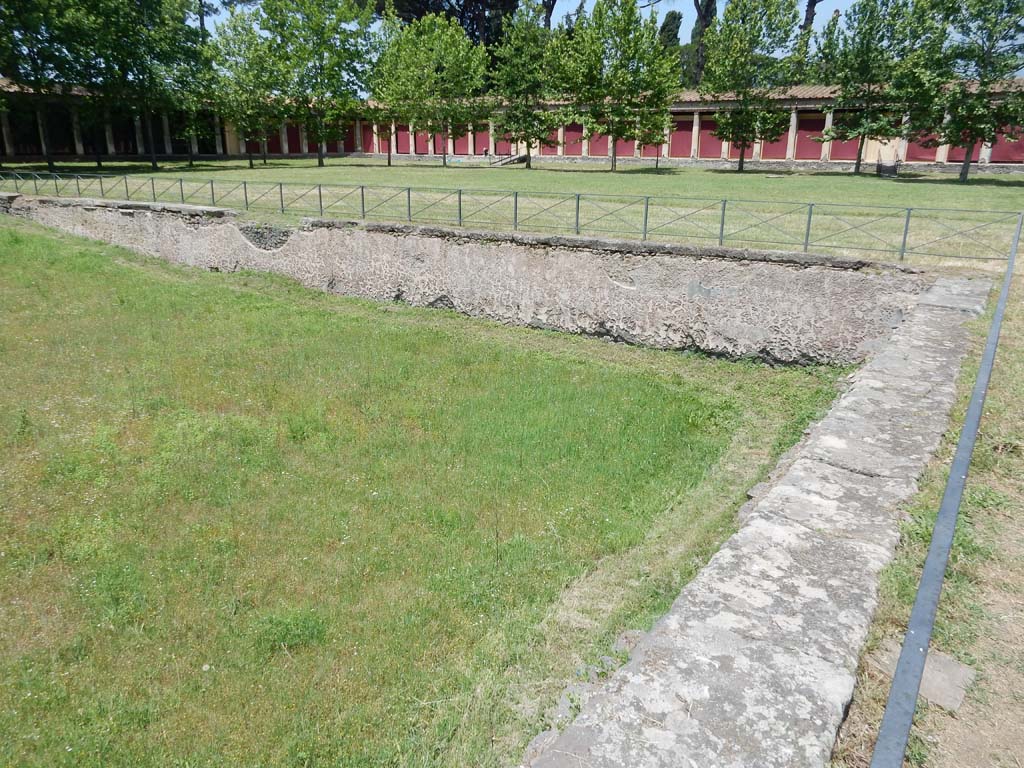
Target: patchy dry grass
[242,523]
[981,615]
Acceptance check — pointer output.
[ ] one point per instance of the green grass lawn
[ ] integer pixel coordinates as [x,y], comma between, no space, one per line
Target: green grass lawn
[1004,192]
[242,523]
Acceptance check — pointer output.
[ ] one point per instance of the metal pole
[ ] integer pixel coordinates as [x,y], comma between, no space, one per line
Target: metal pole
[362,201]
[408,203]
[280,195]
[906,231]
[894,731]
[127,194]
[35,182]
[577,213]
[647,205]
[807,232]
[56,189]
[721,225]
[245,195]
[213,197]
[181,189]
[152,187]
[320,197]
[460,207]
[78,184]
[102,193]
[515,211]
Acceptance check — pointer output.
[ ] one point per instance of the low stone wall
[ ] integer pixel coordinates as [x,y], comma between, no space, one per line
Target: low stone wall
[788,308]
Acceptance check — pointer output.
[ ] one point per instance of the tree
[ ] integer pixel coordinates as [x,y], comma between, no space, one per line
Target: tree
[519,80]
[249,82]
[860,59]
[615,72]
[707,12]
[963,93]
[669,31]
[747,64]
[434,77]
[481,19]
[385,78]
[191,85]
[323,47]
[810,10]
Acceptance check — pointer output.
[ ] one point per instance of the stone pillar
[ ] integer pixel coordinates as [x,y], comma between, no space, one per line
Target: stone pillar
[942,153]
[108,131]
[166,124]
[636,149]
[359,134]
[492,140]
[194,142]
[76,131]
[323,147]
[5,127]
[218,141]
[826,146]
[726,146]
[791,140]
[586,143]
[430,143]
[140,144]
[303,140]
[472,140]
[561,141]
[985,157]
[668,137]
[695,142]
[755,151]
[282,132]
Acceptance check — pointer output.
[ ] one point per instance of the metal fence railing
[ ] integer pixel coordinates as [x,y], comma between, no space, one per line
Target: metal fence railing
[840,229]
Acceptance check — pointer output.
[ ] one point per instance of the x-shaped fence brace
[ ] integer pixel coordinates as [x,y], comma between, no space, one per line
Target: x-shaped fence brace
[613,213]
[953,232]
[540,211]
[760,221]
[687,217]
[484,207]
[862,228]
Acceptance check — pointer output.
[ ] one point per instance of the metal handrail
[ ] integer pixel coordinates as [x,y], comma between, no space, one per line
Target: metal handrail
[894,731]
[788,224]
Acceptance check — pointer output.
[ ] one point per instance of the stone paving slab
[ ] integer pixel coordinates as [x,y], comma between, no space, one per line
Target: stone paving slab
[755,662]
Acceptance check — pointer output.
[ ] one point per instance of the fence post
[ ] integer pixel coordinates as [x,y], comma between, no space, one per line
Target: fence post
[460,207]
[181,190]
[152,187]
[213,197]
[320,198]
[515,211]
[35,182]
[16,183]
[56,188]
[127,194]
[245,194]
[906,231]
[408,204]
[78,184]
[362,201]
[721,225]
[807,232]
[647,205]
[577,228]
[280,194]
[102,193]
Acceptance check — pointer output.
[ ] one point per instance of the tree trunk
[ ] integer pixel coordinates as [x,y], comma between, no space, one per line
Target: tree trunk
[706,10]
[529,155]
[615,152]
[390,139]
[444,148]
[809,13]
[98,143]
[860,153]
[44,138]
[249,153]
[743,152]
[191,135]
[263,148]
[965,166]
[320,154]
[149,138]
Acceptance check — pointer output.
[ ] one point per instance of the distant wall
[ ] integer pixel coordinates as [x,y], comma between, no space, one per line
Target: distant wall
[785,308]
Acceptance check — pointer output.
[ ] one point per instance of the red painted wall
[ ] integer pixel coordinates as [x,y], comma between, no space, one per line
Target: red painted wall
[461,144]
[650,150]
[482,141]
[734,152]
[367,129]
[809,128]
[503,146]
[274,144]
[294,144]
[553,149]
[573,140]
[680,141]
[598,145]
[332,147]
[439,142]
[776,150]
[843,150]
[349,142]
[382,143]
[917,153]
[422,143]
[252,146]
[957,154]
[402,139]
[624,147]
[709,145]
[1004,151]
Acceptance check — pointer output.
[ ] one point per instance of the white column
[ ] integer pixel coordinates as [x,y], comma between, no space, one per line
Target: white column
[791,141]
[826,146]
[636,149]
[695,142]
[166,124]
[586,143]
[755,151]
[942,153]
[323,147]
[359,134]
[668,137]
[561,141]
[430,143]
[108,132]
[492,140]
[303,140]
[217,139]
[472,140]
[194,142]
[986,153]
[726,146]
[140,145]
[76,130]
[5,127]
[283,133]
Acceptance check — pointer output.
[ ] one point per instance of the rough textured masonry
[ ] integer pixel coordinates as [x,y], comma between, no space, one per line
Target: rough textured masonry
[755,663]
[780,307]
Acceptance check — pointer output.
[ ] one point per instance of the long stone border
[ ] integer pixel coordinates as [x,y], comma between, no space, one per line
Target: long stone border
[755,663]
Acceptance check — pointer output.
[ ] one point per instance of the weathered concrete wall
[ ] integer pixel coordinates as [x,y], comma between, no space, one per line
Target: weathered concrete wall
[781,307]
